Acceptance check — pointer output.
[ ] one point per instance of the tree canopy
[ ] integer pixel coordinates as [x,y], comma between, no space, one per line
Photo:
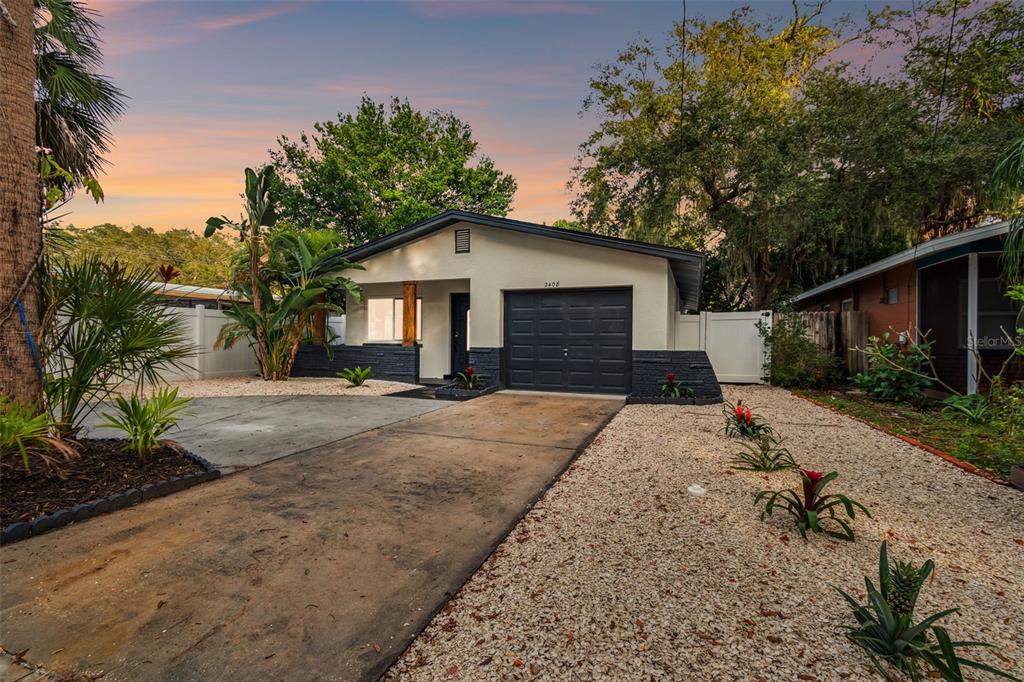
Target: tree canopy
[205,262]
[750,138]
[383,168]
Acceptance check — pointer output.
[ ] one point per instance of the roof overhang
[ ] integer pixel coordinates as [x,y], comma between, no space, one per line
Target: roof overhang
[687,266]
[932,247]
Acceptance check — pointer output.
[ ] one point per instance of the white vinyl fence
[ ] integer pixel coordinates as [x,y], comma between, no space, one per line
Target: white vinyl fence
[201,327]
[731,340]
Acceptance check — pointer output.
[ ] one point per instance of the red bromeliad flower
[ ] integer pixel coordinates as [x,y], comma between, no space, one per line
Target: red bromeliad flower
[811,479]
[670,377]
[819,376]
[748,416]
[167,272]
[739,411]
[470,371]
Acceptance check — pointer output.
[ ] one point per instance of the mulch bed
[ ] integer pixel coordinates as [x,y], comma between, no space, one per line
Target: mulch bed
[101,469]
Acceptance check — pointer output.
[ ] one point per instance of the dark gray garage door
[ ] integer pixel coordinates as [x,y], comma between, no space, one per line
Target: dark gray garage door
[569,340]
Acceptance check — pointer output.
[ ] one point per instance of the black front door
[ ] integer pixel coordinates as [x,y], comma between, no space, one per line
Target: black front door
[460,327]
[569,340]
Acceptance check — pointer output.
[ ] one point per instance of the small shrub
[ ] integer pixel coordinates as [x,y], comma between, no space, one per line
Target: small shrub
[144,421]
[973,408]
[356,376]
[670,388]
[764,454]
[811,509]
[894,375]
[886,630]
[25,433]
[793,360]
[740,422]
[469,379]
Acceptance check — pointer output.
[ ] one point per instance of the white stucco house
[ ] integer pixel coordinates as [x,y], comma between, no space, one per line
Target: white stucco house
[531,306]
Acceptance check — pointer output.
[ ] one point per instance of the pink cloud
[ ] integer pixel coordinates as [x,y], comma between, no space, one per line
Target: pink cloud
[235,20]
[443,9]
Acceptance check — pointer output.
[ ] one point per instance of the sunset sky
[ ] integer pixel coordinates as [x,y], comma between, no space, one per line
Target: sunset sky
[214,83]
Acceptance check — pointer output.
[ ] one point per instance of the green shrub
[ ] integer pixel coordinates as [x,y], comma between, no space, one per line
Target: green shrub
[793,360]
[355,375]
[144,421]
[895,375]
[973,408]
[25,433]
[886,629]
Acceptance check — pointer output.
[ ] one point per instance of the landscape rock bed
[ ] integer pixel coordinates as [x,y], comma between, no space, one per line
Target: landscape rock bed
[226,387]
[663,400]
[618,573]
[101,480]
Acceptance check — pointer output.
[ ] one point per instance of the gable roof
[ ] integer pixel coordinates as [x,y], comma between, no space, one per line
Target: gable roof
[913,254]
[687,266]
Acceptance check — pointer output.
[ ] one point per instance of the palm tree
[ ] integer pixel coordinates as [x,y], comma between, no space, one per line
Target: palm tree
[75,105]
[1007,187]
[20,235]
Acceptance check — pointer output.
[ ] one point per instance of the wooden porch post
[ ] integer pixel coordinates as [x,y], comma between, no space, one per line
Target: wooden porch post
[409,313]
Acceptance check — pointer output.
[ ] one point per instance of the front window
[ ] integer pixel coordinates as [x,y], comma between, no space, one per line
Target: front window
[384,319]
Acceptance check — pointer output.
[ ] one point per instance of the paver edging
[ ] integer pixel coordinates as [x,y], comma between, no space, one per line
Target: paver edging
[966,466]
[22,530]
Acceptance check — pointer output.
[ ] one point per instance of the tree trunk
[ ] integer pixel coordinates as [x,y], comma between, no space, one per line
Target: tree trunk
[21,236]
[320,321]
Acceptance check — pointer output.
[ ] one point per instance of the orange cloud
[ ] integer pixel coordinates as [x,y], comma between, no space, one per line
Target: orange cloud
[233,21]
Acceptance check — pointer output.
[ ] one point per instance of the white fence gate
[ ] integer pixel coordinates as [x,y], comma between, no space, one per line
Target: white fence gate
[731,340]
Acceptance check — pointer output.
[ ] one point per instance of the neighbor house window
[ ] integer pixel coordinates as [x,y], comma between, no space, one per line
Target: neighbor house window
[847,305]
[892,297]
[384,319]
[461,241]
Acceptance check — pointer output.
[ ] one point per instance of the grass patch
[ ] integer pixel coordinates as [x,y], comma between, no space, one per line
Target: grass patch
[987,446]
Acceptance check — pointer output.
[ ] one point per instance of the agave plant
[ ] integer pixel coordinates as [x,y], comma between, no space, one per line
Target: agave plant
[356,376]
[886,629]
[740,422]
[144,421]
[764,454]
[813,508]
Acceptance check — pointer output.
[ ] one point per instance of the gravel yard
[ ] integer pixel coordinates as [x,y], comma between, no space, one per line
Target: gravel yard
[618,572]
[226,387]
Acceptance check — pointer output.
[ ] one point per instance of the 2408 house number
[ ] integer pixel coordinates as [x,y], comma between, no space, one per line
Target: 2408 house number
[550,285]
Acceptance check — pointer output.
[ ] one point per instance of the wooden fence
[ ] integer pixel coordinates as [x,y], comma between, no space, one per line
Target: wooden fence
[840,333]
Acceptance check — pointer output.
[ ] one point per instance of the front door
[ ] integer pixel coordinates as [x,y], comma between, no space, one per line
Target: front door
[460,329]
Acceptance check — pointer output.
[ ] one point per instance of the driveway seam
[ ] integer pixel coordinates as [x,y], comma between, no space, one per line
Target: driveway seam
[481,440]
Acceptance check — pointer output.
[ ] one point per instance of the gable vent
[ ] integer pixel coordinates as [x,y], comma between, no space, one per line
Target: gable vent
[461,241]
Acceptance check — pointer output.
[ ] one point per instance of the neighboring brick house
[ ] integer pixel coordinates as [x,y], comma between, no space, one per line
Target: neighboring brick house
[949,288]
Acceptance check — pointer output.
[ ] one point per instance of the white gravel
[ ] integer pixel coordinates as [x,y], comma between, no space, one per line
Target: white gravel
[253,385]
[618,573]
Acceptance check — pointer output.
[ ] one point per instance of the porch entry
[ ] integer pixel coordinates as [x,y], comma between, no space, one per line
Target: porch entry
[460,332]
[575,340]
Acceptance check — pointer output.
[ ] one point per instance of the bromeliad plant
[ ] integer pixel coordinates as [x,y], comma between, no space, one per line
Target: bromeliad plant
[469,379]
[740,422]
[355,375]
[886,629]
[144,421]
[813,508]
[764,454]
[670,388]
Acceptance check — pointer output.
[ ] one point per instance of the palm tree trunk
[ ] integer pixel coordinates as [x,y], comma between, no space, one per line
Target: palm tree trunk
[21,236]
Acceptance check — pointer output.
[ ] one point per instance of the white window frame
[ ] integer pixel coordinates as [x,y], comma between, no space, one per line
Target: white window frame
[397,312]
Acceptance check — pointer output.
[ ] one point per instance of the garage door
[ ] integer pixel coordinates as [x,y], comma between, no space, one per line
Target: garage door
[569,340]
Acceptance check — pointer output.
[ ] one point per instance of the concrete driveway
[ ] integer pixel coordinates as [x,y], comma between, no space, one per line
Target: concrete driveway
[237,433]
[321,565]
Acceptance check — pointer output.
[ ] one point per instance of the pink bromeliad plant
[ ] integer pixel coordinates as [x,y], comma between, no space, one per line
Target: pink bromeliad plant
[812,508]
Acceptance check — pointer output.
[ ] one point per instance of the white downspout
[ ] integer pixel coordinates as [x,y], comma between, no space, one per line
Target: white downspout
[972,322]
